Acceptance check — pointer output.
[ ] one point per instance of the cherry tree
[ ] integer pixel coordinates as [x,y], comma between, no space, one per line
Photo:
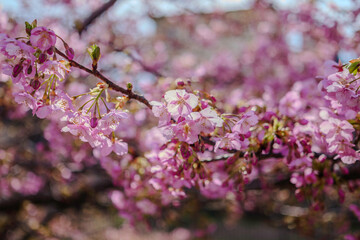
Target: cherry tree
[243,112]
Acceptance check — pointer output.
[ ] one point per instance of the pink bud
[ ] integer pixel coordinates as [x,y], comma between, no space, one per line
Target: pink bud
[341,195]
[17,70]
[303,121]
[242,109]
[202,174]
[42,58]
[93,122]
[230,160]
[316,206]
[185,153]
[29,70]
[35,83]
[322,158]
[204,104]
[247,135]
[180,119]
[213,99]
[50,51]
[344,170]
[180,83]
[70,53]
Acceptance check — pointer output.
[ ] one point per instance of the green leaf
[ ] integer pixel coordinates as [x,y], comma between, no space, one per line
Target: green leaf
[353,68]
[34,23]
[94,52]
[28,28]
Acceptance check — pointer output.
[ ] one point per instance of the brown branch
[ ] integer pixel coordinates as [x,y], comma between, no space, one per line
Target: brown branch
[93,16]
[141,63]
[129,93]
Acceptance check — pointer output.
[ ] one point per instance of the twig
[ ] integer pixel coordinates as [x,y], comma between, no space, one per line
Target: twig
[96,73]
[142,64]
[97,13]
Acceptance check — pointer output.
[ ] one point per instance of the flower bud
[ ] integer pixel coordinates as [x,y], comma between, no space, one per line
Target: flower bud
[185,153]
[35,84]
[94,52]
[42,58]
[129,86]
[204,104]
[29,70]
[303,121]
[231,160]
[247,135]
[181,119]
[70,53]
[341,194]
[17,70]
[28,28]
[93,122]
[299,195]
[50,51]
[180,82]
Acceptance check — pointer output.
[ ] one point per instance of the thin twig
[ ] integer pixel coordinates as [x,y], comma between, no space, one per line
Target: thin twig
[142,64]
[129,93]
[93,16]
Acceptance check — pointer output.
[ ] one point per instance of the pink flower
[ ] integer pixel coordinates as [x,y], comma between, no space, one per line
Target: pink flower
[146,206]
[356,210]
[336,130]
[118,199]
[117,146]
[187,131]
[79,125]
[297,180]
[42,38]
[180,103]
[231,141]
[291,104]
[53,67]
[248,120]
[159,109]
[111,121]
[26,98]
[207,120]
[12,48]
[309,176]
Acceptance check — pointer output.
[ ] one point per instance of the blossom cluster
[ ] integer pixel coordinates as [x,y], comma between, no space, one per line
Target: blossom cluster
[215,147]
[38,79]
[179,119]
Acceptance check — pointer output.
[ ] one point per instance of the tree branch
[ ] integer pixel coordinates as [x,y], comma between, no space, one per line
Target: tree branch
[141,63]
[93,16]
[96,73]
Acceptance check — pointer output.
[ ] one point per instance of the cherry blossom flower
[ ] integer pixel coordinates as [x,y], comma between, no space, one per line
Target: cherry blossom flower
[208,119]
[180,103]
[291,104]
[231,141]
[42,38]
[247,120]
[159,109]
[110,122]
[117,146]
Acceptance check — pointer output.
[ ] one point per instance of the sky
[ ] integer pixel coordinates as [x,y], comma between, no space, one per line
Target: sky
[147,26]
